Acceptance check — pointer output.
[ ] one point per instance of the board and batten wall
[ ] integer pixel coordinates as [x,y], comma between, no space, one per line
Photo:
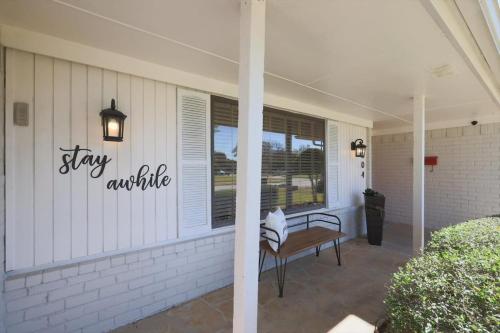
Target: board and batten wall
[353,183]
[55,217]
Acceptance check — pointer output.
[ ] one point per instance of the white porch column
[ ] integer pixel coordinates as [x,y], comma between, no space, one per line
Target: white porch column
[250,107]
[418,171]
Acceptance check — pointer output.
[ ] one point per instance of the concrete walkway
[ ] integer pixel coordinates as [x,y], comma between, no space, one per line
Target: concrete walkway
[318,293]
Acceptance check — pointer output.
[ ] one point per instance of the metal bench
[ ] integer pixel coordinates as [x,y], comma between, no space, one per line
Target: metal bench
[308,238]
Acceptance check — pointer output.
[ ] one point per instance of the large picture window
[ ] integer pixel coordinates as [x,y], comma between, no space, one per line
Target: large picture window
[293,161]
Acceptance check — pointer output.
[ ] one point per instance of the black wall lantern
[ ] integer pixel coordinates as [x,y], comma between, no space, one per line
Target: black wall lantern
[112,123]
[359,147]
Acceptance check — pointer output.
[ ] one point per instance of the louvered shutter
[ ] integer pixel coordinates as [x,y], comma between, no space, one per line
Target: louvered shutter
[333,161]
[193,110]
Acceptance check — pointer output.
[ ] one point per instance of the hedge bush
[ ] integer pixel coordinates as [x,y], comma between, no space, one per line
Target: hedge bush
[454,286]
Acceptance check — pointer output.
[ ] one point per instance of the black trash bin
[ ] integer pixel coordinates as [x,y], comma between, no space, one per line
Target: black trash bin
[375,213]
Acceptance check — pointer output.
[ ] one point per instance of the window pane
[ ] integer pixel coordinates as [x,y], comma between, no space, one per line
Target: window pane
[293,162]
[224,138]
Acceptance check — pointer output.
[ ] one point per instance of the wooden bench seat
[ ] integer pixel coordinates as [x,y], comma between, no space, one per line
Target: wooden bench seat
[299,241]
[302,240]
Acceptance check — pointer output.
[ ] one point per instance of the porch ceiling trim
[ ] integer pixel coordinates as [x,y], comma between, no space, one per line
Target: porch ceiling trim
[438,125]
[448,17]
[233,61]
[35,42]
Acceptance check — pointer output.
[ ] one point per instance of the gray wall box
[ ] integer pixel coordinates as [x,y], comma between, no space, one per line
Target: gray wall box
[21,114]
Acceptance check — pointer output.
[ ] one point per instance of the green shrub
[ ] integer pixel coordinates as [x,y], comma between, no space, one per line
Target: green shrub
[454,286]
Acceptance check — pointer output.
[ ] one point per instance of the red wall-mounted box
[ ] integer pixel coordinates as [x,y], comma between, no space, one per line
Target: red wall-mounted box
[431,160]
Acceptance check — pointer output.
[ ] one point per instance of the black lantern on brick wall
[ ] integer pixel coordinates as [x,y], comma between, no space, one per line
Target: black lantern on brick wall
[112,123]
[359,147]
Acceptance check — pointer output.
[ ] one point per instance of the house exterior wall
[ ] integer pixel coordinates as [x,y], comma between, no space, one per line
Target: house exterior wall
[465,184]
[56,211]
[56,216]
[100,291]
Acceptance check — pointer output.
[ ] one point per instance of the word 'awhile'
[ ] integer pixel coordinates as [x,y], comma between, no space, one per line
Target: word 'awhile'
[142,180]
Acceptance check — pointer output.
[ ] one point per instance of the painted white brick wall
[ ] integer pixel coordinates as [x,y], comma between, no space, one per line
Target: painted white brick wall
[465,184]
[106,293]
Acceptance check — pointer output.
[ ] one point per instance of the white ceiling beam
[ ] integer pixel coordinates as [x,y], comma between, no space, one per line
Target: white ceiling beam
[448,17]
[491,13]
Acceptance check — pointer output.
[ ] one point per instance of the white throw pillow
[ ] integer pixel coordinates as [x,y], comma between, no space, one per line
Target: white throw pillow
[280,214]
[282,217]
[276,221]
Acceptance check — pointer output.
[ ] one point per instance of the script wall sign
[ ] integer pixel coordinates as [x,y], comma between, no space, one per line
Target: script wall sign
[73,159]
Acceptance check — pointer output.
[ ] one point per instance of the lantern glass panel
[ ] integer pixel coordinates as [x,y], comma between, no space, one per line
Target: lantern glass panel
[113,127]
[112,123]
[360,151]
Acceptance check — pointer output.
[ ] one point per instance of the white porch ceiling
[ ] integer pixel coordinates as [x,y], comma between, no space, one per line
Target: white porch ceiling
[364,58]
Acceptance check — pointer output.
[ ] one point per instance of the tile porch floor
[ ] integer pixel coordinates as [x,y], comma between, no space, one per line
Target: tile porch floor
[318,293]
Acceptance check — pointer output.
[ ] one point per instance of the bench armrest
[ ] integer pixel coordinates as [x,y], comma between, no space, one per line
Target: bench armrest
[329,215]
[325,216]
[337,223]
[263,234]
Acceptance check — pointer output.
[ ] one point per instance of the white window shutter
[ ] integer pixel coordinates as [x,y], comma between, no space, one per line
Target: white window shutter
[194,178]
[333,164]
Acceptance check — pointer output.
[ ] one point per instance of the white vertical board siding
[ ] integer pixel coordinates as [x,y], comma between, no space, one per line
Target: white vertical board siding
[194,161]
[110,202]
[149,159]
[55,217]
[160,154]
[123,95]
[19,140]
[137,156]
[43,119]
[62,138]
[351,184]
[171,136]
[80,188]
[95,195]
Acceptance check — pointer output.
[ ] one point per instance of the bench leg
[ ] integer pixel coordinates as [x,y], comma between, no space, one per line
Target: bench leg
[261,262]
[318,248]
[337,249]
[280,273]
